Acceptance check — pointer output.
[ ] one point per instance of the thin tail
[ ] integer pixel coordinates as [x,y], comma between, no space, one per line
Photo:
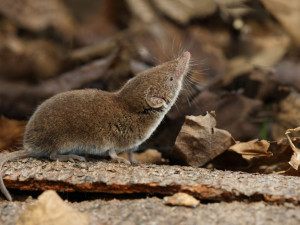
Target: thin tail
[5,158]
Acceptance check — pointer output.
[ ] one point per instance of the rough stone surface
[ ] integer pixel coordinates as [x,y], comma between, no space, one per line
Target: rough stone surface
[153,211]
[106,177]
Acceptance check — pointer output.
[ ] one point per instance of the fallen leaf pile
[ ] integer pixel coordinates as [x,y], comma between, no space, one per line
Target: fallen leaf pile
[239,108]
[11,134]
[245,67]
[199,142]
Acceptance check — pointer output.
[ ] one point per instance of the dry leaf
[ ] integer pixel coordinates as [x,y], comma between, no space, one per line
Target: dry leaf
[273,159]
[238,115]
[288,115]
[252,149]
[51,209]
[183,11]
[287,72]
[265,84]
[290,172]
[27,96]
[37,59]
[218,37]
[181,199]
[11,134]
[199,141]
[266,45]
[142,10]
[287,13]
[295,160]
[233,8]
[101,23]
[38,16]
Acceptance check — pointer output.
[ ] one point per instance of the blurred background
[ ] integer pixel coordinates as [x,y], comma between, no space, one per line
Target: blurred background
[245,58]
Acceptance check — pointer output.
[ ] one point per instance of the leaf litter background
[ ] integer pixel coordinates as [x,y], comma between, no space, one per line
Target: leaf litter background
[241,97]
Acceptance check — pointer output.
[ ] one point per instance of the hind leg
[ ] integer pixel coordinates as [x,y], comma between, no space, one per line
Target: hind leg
[131,156]
[116,158]
[63,158]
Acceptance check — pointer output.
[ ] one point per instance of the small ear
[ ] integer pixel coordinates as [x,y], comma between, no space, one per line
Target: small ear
[155,102]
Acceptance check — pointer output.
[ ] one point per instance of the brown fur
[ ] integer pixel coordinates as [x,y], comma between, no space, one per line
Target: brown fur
[102,123]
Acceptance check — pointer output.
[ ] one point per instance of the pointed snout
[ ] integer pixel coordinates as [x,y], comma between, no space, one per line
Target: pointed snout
[187,55]
[183,64]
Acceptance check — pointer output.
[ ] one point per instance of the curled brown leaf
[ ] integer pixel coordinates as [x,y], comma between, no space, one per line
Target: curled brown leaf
[199,141]
[252,149]
[295,159]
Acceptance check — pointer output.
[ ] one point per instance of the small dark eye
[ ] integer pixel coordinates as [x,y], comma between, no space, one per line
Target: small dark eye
[171,78]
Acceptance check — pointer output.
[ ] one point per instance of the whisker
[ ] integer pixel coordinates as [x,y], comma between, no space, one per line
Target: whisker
[175,104]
